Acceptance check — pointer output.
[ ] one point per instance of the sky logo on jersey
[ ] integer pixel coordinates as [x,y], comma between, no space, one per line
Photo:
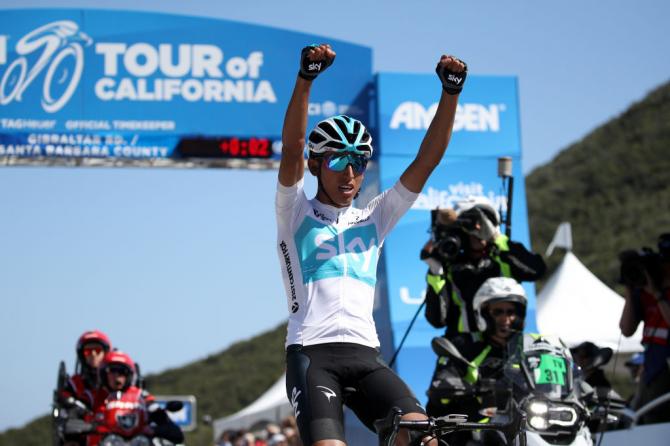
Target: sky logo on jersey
[326,253]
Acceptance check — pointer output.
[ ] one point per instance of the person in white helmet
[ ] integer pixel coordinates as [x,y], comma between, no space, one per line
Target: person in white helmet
[500,312]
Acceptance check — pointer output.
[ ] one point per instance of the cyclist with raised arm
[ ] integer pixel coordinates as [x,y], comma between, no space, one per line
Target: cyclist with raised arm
[328,251]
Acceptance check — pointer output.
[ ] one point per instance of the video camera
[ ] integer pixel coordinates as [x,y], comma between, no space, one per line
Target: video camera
[636,265]
[450,232]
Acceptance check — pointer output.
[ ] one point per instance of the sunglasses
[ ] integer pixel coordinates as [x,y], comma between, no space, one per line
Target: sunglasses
[339,162]
[497,312]
[88,351]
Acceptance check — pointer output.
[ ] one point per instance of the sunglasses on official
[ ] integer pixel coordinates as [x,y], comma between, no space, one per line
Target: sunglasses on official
[88,351]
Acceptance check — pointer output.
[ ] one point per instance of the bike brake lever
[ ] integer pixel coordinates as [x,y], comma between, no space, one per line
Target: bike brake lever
[451,420]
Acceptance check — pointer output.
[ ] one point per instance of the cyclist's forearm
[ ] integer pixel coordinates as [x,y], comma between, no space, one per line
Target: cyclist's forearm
[437,137]
[292,164]
[295,120]
[433,146]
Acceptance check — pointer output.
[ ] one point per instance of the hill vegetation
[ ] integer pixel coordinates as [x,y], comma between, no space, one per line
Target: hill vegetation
[613,186]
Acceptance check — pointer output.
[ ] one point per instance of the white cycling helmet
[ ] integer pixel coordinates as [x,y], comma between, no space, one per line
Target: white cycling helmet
[340,134]
[497,289]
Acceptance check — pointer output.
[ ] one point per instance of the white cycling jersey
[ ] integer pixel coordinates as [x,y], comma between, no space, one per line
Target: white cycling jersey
[328,258]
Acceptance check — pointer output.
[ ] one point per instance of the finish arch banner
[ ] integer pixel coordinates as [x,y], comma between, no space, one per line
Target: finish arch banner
[101,84]
[486,127]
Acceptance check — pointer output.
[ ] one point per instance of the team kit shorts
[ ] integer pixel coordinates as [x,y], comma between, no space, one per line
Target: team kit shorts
[321,378]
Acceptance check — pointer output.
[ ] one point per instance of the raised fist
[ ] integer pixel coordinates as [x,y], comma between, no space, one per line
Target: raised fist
[314,59]
[452,73]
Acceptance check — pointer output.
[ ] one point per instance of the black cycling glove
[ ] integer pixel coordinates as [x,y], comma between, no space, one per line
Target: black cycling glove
[310,69]
[452,82]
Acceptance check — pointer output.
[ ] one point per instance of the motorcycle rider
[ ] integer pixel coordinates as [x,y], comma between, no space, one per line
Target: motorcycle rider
[81,387]
[500,310]
[118,377]
[91,349]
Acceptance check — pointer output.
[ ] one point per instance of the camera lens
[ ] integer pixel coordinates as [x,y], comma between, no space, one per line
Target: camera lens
[449,247]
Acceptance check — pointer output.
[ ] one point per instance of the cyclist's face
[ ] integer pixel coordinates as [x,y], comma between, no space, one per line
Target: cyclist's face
[340,186]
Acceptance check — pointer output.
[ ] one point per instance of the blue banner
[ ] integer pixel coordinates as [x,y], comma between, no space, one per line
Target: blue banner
[122,74]
[486,123]
[486,127]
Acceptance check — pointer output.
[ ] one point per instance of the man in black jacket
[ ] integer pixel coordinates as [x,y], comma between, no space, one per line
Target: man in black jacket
[500,310]
[465,249]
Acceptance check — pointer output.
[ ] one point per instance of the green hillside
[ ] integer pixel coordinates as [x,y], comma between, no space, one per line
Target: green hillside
[222,383]
[613,186]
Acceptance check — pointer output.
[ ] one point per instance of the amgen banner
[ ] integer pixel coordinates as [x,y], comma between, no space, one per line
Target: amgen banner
[486,127]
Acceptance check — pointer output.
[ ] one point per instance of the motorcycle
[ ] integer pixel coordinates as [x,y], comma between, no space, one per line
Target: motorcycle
[541,386]
[122,419]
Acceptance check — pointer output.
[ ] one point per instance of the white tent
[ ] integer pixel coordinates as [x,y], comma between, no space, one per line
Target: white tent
[577,306]
[272,406]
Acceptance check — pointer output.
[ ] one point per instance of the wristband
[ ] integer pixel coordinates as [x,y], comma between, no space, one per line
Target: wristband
[452,82]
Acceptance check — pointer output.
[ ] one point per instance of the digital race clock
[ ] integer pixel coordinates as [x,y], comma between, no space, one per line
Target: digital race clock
[225,147]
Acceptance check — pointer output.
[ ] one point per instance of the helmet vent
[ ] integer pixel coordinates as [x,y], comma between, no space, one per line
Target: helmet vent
[329,130]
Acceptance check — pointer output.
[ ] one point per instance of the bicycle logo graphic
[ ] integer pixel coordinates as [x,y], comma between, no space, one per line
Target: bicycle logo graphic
[62,45]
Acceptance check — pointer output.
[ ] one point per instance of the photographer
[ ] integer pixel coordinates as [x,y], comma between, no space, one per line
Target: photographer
[465,249]
[646,277]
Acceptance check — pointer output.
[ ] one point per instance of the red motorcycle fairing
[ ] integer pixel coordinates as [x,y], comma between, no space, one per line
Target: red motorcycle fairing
[121,413]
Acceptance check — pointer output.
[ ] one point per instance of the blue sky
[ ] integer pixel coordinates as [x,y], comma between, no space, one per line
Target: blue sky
[177,264]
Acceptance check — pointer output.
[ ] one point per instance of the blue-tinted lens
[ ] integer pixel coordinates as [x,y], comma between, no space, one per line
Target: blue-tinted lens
[337,163]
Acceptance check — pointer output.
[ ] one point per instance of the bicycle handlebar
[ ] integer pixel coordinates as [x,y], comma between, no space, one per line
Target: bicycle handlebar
[389,427]
[437,424]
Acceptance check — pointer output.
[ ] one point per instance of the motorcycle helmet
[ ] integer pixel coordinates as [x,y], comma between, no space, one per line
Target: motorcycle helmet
[340,134]
[498,289]
[121,362]
[477,217]
[479,202]
[93,336]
